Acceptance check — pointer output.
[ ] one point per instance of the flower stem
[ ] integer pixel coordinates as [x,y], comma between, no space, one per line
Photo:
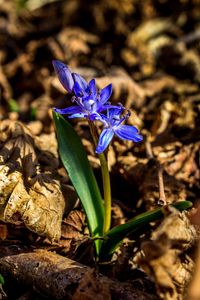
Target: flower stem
[106,181]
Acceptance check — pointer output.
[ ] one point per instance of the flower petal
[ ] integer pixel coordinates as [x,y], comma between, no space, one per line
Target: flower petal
[92,87]
[105,93]
[80,80]
[104,139]
[78,91]
[127,132]
[101,107]
[68,110]
[79,115]
[95,116]
[115,112]
[64,74]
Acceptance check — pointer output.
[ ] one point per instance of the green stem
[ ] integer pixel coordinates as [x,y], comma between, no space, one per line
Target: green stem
[106,181]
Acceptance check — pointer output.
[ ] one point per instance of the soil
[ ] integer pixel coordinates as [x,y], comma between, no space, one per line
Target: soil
[150,52]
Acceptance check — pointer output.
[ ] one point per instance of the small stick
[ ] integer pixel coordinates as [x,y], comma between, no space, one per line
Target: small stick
[162,198]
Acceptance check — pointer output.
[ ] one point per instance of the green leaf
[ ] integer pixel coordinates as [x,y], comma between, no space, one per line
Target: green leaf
[13,105]
[2,281]
[75,161]
[118,233]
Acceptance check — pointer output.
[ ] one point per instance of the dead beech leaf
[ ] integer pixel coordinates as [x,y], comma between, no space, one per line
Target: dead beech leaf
[164,257]
[75,40]
[122,82]
[72,230]
[182,114]
[148,30]
[180,161]
[140,52]
[27,195]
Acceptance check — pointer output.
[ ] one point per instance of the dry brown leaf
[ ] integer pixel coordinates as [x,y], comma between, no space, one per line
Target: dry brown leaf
[181,114]
[139,51]
[27,195]
[177,59]
[123,83]
[180,161]
[148,30]
[161,82]
[164,257]
[193,292]
[73,230]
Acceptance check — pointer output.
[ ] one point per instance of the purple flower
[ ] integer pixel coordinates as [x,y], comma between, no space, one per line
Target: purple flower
[90,101]
[64,74]
[113,126]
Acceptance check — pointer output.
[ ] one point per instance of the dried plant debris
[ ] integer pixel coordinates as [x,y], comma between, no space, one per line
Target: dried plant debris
[60,278]
[143,174]
[193,289]
[28,195]
[123,84]
[165,258]
[73,232]
[149,50]
[180,161]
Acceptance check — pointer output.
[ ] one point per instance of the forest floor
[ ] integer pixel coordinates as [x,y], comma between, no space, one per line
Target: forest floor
[150,52]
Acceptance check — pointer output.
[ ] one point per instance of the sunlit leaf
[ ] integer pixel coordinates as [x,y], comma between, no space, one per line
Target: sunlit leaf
[75,161]
[118,233]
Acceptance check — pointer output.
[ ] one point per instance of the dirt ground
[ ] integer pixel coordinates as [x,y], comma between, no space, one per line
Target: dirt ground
[150,52]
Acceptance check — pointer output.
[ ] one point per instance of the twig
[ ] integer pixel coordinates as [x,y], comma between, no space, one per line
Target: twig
[162,198]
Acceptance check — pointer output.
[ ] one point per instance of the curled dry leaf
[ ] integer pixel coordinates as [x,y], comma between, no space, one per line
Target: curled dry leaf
[180,161]
[26,194]
[181,114]
[139,45]
[176,59]
[123,83]
[164,257]
[193,292]
[73,231]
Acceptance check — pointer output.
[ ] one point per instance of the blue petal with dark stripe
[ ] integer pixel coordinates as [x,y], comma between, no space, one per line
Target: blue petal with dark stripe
[105,93]
[127,132]
[64,74]
[80,80]
[104,139]
[68,110]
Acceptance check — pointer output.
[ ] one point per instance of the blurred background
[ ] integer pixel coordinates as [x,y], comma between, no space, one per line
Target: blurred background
[150,51]
[131,43]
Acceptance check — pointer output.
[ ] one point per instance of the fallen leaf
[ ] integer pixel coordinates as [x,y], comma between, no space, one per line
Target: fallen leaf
[27,195]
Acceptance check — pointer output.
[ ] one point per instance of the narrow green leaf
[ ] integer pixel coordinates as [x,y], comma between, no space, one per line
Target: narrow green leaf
[13,105]
[75,161]
[2,281]
[118,233]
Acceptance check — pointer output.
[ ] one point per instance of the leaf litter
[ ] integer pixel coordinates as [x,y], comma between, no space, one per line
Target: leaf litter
[150,52]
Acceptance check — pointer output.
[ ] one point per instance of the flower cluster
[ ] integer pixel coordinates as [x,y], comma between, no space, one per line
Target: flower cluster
[91,103]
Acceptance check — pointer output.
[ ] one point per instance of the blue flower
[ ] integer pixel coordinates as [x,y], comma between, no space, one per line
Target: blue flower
[64,74]
[90,101]
[113,126]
